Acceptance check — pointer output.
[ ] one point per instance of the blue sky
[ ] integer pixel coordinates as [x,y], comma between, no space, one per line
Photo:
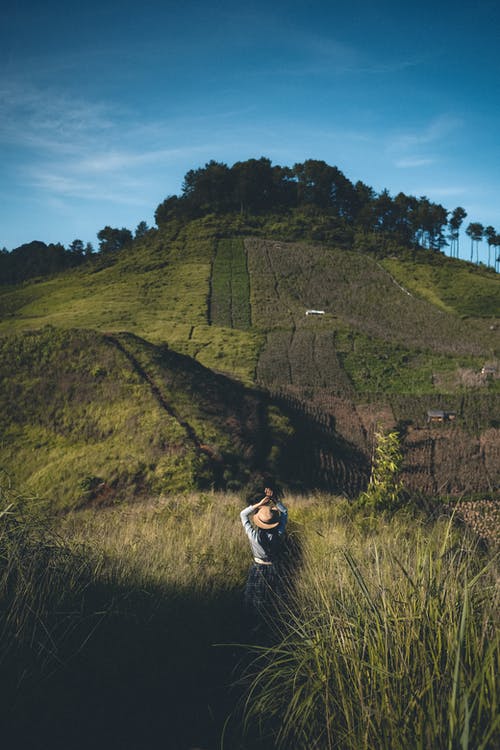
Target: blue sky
[105,107]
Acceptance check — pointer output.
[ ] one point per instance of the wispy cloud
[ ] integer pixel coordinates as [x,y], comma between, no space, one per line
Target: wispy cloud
[47,119]
[414,161]
[436,130]
[65,146]
[410,149]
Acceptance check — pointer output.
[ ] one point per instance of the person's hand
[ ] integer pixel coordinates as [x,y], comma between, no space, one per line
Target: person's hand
[264,501]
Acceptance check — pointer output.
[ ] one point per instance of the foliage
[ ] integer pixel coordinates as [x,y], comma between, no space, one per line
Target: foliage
[230,286]
[112,239]
[36,259]
[44,618]
[452,286]
[96,419]
[385,488]
[255,187]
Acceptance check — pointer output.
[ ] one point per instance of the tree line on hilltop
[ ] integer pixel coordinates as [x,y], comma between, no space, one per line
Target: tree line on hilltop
[256,186]
[352,214]
[39,259]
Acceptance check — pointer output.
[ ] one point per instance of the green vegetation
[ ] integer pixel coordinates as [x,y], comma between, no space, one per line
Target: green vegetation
[451,285]
[133,612]
[377,366]
[390,641]
[144,378]
[92,418]
[385,488]
[69,415]
[230,298]
[157,289]
[237,306]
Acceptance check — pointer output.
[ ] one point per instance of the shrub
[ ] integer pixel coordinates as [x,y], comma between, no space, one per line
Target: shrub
[385,488]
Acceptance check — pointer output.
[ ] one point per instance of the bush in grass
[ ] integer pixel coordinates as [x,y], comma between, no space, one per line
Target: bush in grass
[385,489]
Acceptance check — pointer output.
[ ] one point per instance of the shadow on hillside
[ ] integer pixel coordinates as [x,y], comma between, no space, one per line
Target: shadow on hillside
[313,456]
[316,456]
[157,673]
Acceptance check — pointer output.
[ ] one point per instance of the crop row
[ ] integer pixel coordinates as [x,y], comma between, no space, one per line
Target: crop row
[304,358]
[230,286]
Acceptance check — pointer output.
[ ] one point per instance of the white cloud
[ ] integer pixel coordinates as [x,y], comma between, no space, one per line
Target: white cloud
[415,161]
[439,128]
[410,149]
[66,147]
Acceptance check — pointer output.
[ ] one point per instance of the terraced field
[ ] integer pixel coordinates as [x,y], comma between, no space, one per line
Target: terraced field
[379,355]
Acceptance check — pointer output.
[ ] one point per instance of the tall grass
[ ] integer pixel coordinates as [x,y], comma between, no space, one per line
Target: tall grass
[44,617]
[116,614]
[390,642]
[112,615]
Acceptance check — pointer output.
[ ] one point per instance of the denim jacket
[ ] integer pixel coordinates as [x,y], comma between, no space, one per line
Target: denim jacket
[253,533]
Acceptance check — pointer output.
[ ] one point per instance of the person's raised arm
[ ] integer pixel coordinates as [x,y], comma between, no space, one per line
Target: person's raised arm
[283,516]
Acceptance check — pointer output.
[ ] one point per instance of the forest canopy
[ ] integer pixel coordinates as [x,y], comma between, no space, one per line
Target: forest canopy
[256,186]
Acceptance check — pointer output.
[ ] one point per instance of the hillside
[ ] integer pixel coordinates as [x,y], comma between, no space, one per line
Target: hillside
[221,375]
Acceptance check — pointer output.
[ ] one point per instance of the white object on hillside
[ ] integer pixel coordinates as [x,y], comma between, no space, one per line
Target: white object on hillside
[315,312]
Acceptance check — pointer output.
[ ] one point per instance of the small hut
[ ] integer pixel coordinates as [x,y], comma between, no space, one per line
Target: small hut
[441,415]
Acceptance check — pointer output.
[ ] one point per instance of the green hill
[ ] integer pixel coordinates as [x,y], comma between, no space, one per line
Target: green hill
[188,360]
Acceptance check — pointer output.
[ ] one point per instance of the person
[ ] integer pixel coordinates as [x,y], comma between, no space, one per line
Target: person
[265,531]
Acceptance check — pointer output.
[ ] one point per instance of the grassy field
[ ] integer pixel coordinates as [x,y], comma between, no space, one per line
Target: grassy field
[453,286]
[158,290]
[123,627]
[398,338]
[89,418]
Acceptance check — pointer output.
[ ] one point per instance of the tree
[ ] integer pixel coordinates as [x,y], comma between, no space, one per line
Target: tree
[456,219]
[253,184]
[363,198]
[141,230]
[76,247]
[496,245]
[111,239]
[475,232]
[284,193]
[324,186]
[430,219]
[209,188]
[489,235]
[405,207]
[383,209]
[172,208]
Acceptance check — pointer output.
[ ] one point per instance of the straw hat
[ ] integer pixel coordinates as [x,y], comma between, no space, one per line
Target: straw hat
[267,517]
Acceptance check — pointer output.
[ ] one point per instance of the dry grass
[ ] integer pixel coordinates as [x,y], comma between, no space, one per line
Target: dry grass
[389,639]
